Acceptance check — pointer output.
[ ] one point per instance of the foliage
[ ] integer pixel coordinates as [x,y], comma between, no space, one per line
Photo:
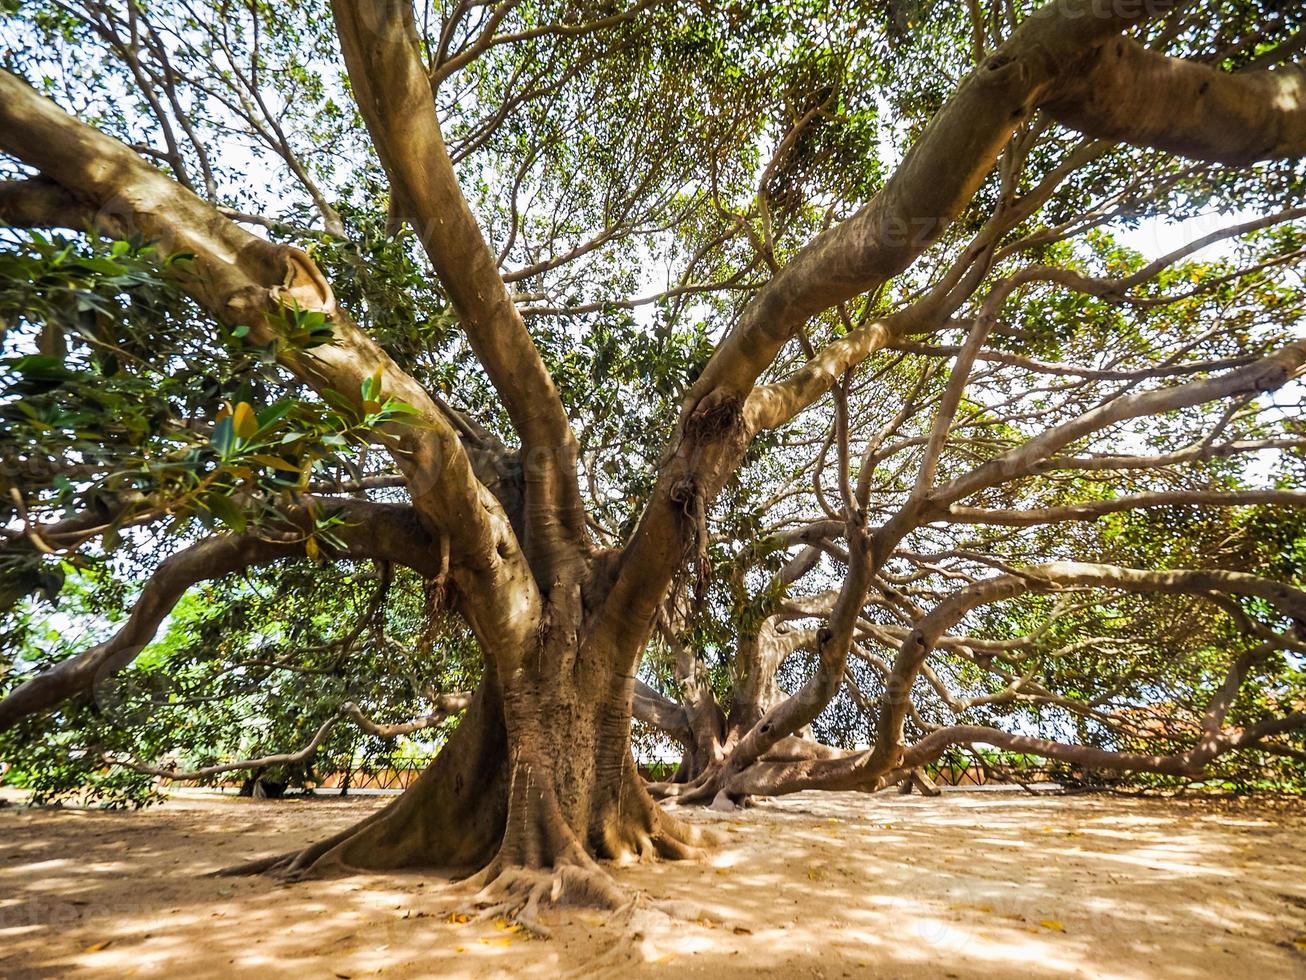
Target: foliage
[638,185]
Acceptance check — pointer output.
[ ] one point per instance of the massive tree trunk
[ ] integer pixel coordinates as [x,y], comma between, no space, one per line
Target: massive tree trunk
[452,818]
[573,785]
[539,775]
[536,785]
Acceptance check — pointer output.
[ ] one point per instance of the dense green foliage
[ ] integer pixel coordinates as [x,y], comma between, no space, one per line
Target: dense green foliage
[639,183]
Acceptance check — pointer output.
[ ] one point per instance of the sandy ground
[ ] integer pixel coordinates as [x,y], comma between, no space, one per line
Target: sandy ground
[835,885]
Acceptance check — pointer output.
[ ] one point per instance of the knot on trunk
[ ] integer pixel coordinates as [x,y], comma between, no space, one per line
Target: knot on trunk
[718,415]
[287,279]
[684,494]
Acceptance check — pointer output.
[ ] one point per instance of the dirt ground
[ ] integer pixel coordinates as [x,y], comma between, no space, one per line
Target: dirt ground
[980,884]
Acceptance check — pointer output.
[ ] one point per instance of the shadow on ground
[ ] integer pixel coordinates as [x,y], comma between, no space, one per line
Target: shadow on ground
[967,885]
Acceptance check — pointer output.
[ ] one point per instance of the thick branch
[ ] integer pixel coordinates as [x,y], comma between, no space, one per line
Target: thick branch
[1092,510]
[388,532]
[208,772]
[40,203]
[380,45]
[935,181]
[1051,577]
[1190,763]
[937,178]
[1267,374]
[241,279]
[445,706]
[1129,94]
[652,708]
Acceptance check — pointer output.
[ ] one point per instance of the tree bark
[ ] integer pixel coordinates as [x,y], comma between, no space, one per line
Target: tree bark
[535,787]
[451,819]
[538,782]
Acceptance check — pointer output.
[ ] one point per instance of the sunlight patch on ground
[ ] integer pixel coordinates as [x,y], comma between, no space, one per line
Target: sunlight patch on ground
[836,885]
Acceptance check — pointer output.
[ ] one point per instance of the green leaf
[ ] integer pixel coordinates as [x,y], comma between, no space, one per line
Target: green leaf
[226,510]
[275,413]
[39,366]
[224,437]
[339,402]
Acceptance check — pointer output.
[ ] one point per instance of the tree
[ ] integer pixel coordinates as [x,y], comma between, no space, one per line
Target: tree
[539,157]
[929,542]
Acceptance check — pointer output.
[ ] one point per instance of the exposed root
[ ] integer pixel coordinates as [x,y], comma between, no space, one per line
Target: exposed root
[651,833]
[451,819]
[703,791]
[517,893]
[722,803]
[542,861]
[663,790]
[394,837]
[258,866]
[700,790]
[921,782]
[302,863]
[644,930]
